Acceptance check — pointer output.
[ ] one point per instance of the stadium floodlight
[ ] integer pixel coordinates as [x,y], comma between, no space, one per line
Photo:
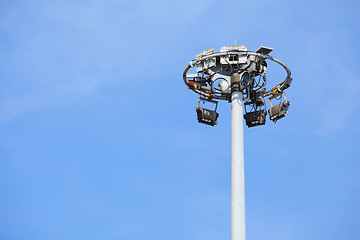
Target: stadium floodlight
[238,76]
[279,111]
[207,116]
[255,118]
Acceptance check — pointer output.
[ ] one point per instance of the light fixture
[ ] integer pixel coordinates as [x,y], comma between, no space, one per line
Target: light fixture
[257,97]
[223,85]
[207,116]
[279,111]
[255,118]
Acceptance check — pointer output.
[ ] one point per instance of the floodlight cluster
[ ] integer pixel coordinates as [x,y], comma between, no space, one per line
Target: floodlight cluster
[234,68]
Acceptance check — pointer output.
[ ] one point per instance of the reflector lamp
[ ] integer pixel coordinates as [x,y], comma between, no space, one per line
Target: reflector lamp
[279,111]
[255,118]
[206,116]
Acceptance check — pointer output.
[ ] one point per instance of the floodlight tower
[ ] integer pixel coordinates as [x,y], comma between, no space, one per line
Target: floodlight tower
[238,76]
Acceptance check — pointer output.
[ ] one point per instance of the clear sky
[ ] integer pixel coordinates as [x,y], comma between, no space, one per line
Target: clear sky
[99,138]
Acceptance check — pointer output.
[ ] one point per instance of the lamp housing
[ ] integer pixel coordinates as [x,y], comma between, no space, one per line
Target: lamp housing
[255,118]
[279,111]
[206,116]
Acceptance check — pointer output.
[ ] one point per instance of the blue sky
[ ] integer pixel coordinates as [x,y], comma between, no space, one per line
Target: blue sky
[98,133]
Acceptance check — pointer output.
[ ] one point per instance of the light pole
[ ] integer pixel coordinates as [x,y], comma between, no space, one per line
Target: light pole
[238,76]
[237,169]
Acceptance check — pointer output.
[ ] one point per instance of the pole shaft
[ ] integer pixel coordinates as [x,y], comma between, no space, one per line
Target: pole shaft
[237,169]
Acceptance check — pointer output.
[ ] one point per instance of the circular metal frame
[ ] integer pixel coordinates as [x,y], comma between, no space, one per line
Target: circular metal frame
[210,93]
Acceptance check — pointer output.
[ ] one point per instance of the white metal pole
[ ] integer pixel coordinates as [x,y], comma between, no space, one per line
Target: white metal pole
[237,169]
